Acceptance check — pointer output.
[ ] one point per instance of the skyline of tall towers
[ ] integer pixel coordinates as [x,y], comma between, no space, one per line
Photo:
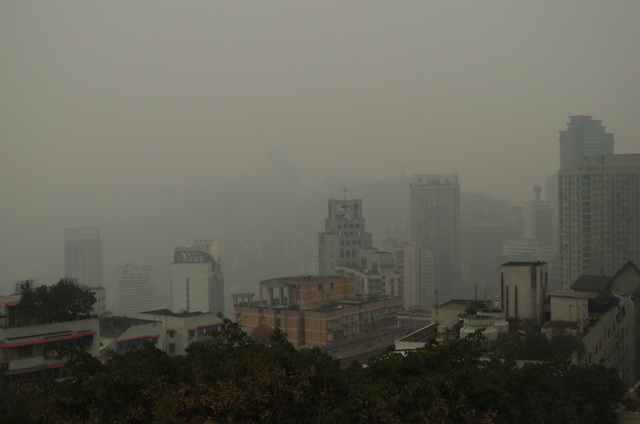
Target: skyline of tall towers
[583,137]
[599,216]
[196,278]
[435,223]
[83,255]
[344,235]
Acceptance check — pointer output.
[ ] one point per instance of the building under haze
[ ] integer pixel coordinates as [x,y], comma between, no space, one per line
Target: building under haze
[599,216]
[136,289]
[314,311]
[435,223]
[83,255]
[343,237]
[196,278]
[583,137]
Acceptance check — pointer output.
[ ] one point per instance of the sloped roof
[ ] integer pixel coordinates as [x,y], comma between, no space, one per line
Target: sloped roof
[587,282]
[629,264]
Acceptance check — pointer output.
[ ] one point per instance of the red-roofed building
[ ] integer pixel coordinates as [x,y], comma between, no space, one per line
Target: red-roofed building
[23,346]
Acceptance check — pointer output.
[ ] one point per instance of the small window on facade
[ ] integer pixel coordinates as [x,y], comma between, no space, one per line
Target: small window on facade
[192,333]
[319,287]
[172,348]
[331,285]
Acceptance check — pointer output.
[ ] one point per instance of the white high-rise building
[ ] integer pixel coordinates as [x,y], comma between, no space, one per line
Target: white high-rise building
[344,235]
[435,223]
[196,278]
[136,289]
[599,216]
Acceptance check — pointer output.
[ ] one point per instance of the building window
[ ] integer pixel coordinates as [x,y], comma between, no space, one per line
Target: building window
[331,285]
[192,333]
[25,351]
[172,348]
[319,287]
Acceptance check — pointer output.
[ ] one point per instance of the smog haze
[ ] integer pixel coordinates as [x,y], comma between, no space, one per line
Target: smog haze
[263,110]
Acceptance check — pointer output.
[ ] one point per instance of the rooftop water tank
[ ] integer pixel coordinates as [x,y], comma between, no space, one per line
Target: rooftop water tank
[473,323]
[499,319]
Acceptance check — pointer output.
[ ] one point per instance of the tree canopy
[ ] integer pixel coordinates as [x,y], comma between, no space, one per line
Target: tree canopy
[235,380]
[63,301]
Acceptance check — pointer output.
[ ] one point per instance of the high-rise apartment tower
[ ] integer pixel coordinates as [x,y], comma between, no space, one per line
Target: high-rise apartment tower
[435,223]
[343,237]
[599,216]
[83,255]
[583,137]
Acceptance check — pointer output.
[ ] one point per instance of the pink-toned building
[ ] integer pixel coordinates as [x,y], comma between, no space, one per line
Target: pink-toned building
[314,311]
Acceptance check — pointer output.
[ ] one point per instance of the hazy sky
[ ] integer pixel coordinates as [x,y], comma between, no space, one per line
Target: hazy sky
[116,97]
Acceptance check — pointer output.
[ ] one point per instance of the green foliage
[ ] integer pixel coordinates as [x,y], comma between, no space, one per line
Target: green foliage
[63,301]
[235,380]
[474,307]
[327,307]
[536,346]
[602,303]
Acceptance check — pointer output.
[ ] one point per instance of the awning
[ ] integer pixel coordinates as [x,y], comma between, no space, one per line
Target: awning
[50,340]
[138,338]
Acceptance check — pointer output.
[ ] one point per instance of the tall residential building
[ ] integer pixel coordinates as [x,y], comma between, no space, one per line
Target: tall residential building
[435,223]
[196,278]
[83,255]
[343,237]
[418,276]
[136,289]
[599,216]
[583,137]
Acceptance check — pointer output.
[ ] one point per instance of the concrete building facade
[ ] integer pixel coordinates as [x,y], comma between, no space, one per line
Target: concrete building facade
[168,331]
[376,273]
[196,278]
[435,222]
[23,345]
[599,216]
[344,235]
[523,289]
[136,289]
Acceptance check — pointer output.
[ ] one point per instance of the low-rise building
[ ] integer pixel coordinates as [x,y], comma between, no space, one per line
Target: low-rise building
[23,347]
[316,311]
[168,331]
